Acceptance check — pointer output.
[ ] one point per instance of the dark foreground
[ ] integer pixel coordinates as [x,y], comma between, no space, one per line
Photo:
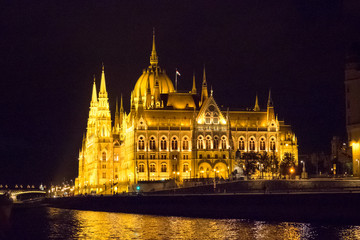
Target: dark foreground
[56,223]
[338,208]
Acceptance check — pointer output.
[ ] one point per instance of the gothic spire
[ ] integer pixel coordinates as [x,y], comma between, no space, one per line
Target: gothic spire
[193,90]
[270,102]
[256,107]
[102,84]
[94,96]
[153,57]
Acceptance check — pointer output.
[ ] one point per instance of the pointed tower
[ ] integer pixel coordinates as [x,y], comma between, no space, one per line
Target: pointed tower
[121,115]
[204,90]
[153,58]
[93,112]
[270,109]
[256,107]
[104,117]
[193,90]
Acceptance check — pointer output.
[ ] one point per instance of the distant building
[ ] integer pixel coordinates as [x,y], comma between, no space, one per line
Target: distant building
[352,92]
[170,134]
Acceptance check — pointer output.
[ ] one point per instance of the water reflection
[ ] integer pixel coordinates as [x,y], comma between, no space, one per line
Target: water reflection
[103,225]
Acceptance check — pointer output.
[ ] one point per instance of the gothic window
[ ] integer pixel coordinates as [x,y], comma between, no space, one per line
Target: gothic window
[163,156]
[103,157]
[152,167]
[141,167]
[152,156]
[272,144]
[252,144]
[185,144]
[208,142]
[163,143]
[141,143]
[185,167]
[200,142]
[141,156]
[262,144]
[185,156]
[152,143]
[116,177]
[216,142]
[174,144]
[116,169]
[104,175]
[163,167]
[223,142]
[116,157]
[241,144]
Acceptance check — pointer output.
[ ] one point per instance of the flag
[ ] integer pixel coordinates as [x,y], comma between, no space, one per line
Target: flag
[177,73]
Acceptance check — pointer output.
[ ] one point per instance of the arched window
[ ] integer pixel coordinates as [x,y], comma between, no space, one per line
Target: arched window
[185,143]
[200,142]
[262,144]
[141,167]
[152,167]
[208,142]
[216,142]
[163,167]
[207,118]
[174,144]
[201,172]
[223,142]
[252,144]
[103,156]
[272,144]
[163,143]
[152,143]
[186,167]
[241,144]
[216,118]
[141,143]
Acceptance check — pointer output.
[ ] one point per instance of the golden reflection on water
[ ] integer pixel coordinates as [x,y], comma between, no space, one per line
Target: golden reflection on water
[104,225]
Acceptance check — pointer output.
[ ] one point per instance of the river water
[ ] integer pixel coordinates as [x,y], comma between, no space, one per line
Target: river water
[54,223]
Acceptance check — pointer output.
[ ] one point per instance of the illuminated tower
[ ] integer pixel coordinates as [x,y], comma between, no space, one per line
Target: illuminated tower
[352,89]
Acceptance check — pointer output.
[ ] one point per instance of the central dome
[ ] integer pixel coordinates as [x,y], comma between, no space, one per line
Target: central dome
[148,79]
[152,75]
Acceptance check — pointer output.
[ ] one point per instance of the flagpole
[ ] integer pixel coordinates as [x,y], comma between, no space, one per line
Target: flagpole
[176,79]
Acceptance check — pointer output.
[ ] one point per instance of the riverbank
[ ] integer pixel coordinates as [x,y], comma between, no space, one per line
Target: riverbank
[339,208]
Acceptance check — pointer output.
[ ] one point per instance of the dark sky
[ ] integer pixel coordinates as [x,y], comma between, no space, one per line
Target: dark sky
[49,51]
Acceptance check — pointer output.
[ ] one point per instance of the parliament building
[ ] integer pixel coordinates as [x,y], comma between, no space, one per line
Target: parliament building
[171,135]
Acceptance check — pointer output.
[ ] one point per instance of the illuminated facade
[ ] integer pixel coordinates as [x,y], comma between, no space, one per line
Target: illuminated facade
[171,135]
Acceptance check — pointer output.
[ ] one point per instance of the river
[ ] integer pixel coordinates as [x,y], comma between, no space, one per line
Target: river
[54,223]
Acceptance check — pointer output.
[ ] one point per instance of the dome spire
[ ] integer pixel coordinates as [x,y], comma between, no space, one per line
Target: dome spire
[153,57]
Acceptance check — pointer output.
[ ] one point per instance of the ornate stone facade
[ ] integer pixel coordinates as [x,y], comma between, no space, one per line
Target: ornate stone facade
[172,135]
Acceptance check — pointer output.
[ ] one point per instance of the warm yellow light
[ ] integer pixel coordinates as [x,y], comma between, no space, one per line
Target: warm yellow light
[292,170]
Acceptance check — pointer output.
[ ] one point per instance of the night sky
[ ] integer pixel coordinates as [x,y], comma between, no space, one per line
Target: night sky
[49,51]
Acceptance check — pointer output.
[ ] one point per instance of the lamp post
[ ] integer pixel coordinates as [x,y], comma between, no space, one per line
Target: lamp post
[303,173]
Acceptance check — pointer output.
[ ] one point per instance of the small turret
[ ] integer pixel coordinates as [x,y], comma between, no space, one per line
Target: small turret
[270,109]
[193,90]
[204,90]
[256,107]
